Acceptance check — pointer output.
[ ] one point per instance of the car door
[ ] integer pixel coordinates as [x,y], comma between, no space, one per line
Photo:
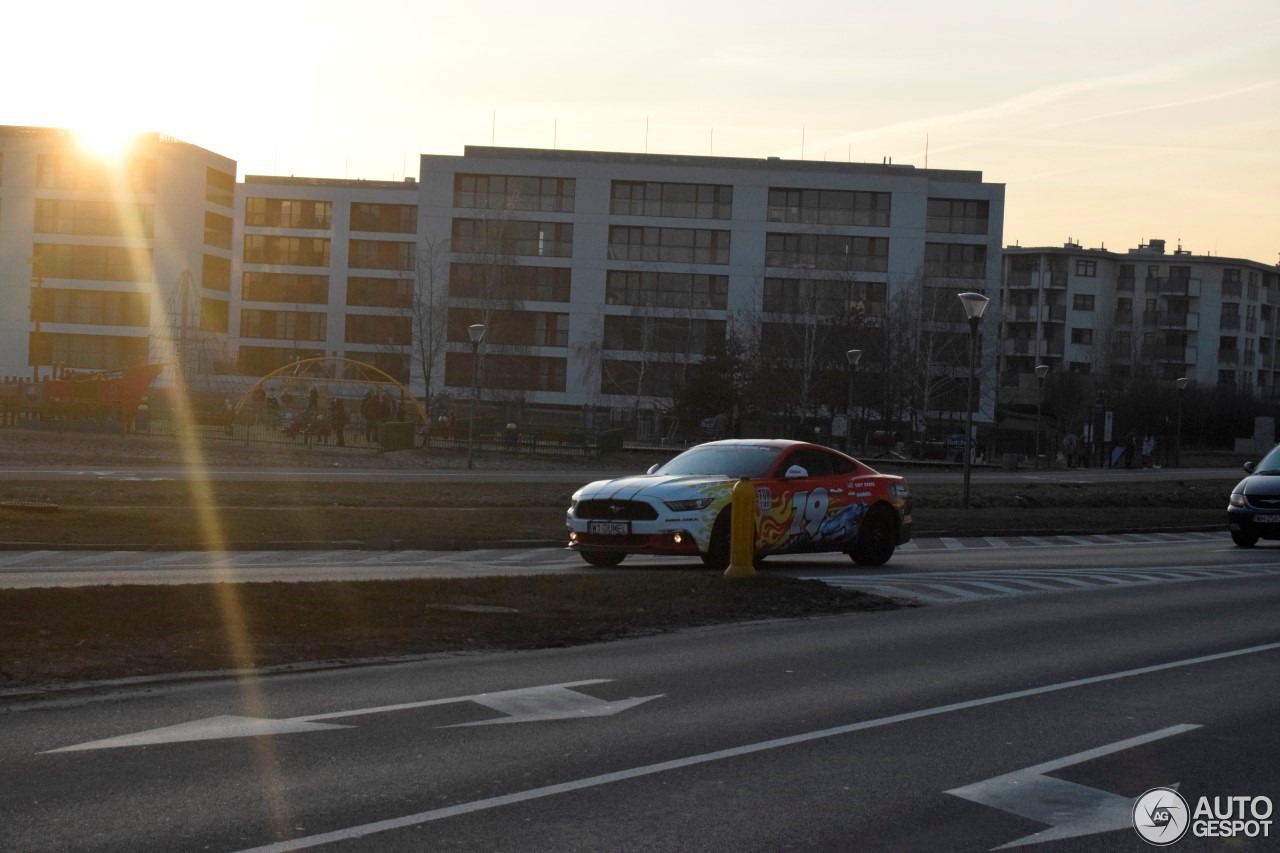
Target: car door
[795,508]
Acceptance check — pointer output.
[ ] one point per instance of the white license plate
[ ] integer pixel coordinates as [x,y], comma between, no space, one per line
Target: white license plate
[609,528]
[1266,519]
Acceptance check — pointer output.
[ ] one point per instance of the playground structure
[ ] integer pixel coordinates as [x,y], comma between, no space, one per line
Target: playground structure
[106,396]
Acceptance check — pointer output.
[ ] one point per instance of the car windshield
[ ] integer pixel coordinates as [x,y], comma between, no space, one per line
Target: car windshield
[1270,463]
[733,462]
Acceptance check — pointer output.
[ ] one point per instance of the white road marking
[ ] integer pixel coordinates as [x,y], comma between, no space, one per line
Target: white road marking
[951,544]
[420,818]
[524,705]
[1038,542]
[1070,809]
[995,542]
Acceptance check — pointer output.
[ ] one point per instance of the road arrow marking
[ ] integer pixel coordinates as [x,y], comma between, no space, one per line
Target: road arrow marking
[1070,810]
[525,705]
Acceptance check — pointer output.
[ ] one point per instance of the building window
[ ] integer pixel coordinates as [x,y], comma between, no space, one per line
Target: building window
[642,378]
[1082,336]
[515,328]
[215,273]
[219,187]
[1088,269]
[300,288]
[829,207]
[282,325]
[957,216]
[388,218]
[514,192]
[676,335]
[1084,302]
[379,329]
[815,297]
[94,352]
[506,372]
[289,251]
[96,263]
[65,172]
[668,245]
[259,361]
[517,237]
[95,218]
[683,201]
[90,307]
[827,252]
[380,292]
[288,213]
[214,316]
[380,255]
[505,282]
[955,260]
[217,230]
[1081,368]
[667,290]
[1227,378]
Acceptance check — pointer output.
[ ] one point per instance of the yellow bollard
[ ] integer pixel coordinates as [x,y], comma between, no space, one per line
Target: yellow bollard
[742,532]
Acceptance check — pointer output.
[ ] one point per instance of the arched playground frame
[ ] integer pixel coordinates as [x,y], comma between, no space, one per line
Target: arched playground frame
[334,370]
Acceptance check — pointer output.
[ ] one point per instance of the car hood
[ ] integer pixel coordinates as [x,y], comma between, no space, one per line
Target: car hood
[1260,485]
[660,486]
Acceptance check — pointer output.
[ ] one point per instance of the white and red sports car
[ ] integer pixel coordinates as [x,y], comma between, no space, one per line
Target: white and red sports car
[809,498]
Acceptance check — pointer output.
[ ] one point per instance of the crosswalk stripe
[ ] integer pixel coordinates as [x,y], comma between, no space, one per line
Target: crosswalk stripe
[951,544]
[995,542]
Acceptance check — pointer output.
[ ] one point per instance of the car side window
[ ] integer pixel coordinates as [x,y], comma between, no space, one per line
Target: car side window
[817,463]
[841,465]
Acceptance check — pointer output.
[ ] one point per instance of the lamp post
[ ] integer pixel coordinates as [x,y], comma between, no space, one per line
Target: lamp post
[853,355]
[476,333]
[1182,386]
[974,304]
[1042,370]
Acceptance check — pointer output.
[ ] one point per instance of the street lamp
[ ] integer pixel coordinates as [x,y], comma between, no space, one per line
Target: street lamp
[854,355]
[1181,382]
[974,304]
[476,333]
[1042,370]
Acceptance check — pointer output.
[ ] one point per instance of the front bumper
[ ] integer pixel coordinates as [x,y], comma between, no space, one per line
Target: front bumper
[677,542]
[1260,523]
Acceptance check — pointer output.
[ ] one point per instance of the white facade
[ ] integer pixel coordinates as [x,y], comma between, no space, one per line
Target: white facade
[114,240]
[739,223]
[323,268]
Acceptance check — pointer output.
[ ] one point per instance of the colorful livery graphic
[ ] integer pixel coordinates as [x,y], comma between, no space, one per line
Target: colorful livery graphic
[809,498]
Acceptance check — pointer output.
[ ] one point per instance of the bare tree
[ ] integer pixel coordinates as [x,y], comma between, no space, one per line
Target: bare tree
[428,310]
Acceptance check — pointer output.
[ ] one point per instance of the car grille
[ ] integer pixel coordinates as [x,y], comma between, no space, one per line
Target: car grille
[616,510]
[1272,503]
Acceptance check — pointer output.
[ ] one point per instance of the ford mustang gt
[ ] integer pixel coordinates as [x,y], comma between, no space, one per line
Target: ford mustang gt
[809,498]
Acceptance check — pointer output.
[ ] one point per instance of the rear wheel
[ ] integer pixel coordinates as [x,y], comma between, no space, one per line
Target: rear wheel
[603,559]
[1244,540]
[877,537]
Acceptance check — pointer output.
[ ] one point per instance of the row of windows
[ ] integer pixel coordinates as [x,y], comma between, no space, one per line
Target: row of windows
[87,352]
[217,230]
[215,273]
[514,192]
[67,172]
[97,307]
[371,292]
[95,263]
[830,207]
[301,288]
[509,282]
[824,298]
[827,252]
[641,378]
[310,326]
[219,187]
[290,251]
[506,372]
[686,201]
[95,218]
[381,255]
[379,329]
[516,328]
[955,260]
[956,216]
[287,213]
[518,237]
[676,335]
[667,289]
[668,245]
[388,218]
[214,315]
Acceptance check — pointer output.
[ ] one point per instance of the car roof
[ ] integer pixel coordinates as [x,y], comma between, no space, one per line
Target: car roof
[778,443]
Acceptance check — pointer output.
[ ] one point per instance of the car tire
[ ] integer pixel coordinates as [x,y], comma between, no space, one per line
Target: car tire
[877,538]
[603,559]
[717,554]
[1244,540]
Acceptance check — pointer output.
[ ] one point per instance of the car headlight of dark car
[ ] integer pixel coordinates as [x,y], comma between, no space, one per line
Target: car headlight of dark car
[1236,499]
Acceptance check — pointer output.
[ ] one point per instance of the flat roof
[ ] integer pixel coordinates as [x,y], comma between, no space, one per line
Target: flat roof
[290,180]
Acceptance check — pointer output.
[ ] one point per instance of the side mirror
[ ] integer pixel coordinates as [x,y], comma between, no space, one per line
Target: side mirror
[795,472]
[654,468]
[1248,467]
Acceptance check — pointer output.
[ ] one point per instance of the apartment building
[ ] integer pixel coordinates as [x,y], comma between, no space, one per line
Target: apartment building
[1144,312]
[324,268]
[601,276]
[98,256]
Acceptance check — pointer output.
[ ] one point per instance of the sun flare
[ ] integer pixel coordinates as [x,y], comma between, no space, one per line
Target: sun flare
[105,141]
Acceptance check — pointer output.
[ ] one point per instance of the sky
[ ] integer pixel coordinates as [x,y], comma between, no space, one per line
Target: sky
[1111,123]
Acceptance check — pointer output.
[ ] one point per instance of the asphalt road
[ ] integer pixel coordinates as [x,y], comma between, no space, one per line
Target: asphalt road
[964,726]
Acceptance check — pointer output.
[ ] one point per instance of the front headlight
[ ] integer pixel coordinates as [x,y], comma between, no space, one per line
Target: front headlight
[1236,499]
[689,505]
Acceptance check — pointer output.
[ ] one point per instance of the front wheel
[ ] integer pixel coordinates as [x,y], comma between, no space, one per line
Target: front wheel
[602,559]
[877,538]
[717,556]
[1244,540]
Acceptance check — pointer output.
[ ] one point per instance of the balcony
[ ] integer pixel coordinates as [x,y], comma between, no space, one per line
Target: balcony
[1054,314]
[1019,346]
[1022,278]
[1228,356]
[1176,286]
[1055,281]
[1229,321]
[1125,285]
[1049,348]
[1121,352]
[1023,313]
[1124,318]
[1188,320]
